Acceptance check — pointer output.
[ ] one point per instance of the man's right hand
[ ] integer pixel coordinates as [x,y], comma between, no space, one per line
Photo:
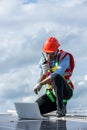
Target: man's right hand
[45,68]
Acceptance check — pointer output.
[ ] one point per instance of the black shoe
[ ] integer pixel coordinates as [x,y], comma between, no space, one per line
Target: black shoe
[60,115]
[61,112]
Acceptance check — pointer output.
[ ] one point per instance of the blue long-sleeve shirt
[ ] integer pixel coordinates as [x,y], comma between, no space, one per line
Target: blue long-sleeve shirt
[62,66]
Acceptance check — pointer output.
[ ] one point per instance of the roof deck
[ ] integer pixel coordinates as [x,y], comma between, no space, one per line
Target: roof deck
[73,121]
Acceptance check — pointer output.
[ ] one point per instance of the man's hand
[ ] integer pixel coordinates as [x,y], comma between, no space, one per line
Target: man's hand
[37,88]
[45,68]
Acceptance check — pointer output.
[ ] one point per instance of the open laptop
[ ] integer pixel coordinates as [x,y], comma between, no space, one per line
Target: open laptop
[28,110]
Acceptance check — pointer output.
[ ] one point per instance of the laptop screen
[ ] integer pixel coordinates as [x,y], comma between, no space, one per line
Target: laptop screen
[27,110]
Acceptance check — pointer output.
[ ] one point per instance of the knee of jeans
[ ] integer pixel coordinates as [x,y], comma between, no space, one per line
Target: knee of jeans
[56,77]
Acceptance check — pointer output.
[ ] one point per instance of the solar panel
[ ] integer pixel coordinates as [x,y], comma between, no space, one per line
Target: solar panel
[11,122]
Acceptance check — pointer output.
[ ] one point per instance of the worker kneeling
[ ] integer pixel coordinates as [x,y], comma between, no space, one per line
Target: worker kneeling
[56,67]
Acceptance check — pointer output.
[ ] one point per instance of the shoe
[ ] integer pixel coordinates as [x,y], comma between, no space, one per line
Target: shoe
[60,115]
[62,112]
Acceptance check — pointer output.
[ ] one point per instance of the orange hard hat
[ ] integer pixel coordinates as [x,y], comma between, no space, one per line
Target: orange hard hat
[51,45]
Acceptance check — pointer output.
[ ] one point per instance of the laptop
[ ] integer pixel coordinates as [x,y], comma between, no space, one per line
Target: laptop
[28,110]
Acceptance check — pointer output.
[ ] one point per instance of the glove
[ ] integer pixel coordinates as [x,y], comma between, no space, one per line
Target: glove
[37,88]
[45,68]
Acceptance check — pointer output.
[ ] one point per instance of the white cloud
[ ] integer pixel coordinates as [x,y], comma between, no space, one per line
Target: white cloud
[85,77]
[80,95]
[81,83]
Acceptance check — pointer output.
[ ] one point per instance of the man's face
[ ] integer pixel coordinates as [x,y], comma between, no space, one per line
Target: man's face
[51,56]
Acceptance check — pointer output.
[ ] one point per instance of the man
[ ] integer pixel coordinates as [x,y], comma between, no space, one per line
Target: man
[55,70]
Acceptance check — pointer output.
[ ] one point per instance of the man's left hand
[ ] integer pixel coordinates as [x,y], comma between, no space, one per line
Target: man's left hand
[37,88]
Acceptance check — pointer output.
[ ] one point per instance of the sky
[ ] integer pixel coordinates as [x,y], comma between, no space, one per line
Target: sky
[24,27]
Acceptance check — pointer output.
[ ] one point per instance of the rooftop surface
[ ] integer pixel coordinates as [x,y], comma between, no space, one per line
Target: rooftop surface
[73,121]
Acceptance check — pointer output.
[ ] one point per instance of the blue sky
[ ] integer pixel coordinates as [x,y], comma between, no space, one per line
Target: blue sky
[24,26]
